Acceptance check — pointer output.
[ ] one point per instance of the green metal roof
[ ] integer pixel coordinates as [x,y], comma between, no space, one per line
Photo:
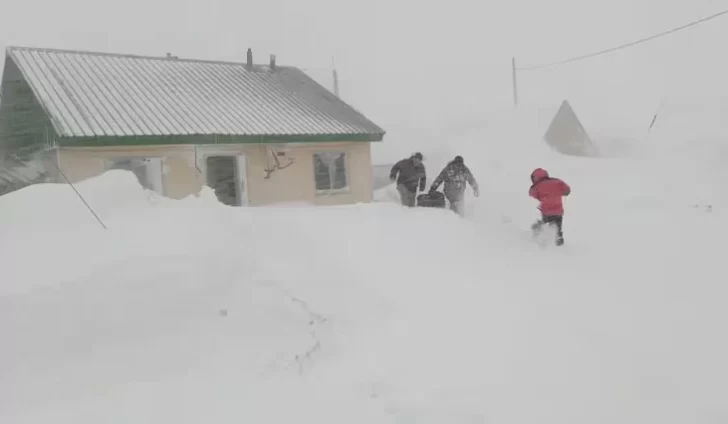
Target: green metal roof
[92,96]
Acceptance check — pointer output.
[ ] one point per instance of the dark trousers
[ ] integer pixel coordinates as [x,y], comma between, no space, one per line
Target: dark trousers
[407,196]
[557,220]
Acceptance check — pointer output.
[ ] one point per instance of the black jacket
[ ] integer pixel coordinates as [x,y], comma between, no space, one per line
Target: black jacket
[410,175]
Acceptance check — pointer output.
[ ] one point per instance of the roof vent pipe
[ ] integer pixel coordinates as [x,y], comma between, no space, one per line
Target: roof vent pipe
[249,63]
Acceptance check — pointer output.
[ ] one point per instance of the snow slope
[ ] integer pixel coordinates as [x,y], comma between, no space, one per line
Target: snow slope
[189,311]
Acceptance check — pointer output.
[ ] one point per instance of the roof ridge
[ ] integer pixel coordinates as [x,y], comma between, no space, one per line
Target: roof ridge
[9,49]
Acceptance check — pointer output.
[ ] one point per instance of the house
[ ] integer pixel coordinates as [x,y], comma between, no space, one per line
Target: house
[257,134]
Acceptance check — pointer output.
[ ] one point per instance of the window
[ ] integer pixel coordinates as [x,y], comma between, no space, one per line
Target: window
[330,172]
[147,170]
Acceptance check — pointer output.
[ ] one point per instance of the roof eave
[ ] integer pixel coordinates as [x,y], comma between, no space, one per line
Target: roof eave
[200,139]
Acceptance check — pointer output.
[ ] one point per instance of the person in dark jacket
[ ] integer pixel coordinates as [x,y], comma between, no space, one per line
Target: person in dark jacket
[410,175]
[456,176]
[549,192]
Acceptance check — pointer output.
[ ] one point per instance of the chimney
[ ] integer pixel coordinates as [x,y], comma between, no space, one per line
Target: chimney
[249,64]
[273,62]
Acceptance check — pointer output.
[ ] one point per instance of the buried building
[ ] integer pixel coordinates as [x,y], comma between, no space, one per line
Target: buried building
[256,134]
[567,135]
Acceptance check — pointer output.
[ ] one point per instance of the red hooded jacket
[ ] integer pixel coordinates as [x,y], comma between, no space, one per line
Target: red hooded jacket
[548,191]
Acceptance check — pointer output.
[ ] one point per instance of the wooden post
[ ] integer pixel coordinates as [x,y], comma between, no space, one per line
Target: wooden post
[515,82]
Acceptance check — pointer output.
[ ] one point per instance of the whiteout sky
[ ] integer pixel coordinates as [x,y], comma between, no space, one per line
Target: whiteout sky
[419,69]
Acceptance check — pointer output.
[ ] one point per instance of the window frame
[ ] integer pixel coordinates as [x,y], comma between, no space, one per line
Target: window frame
[332,191]
[109,162]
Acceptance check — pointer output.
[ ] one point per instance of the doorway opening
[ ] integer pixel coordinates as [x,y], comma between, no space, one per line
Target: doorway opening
[226,177]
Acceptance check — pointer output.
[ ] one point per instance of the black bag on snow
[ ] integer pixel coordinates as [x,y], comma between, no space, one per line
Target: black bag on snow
[433,199]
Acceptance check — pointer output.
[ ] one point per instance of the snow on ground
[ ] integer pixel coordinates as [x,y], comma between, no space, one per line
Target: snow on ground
[189,311]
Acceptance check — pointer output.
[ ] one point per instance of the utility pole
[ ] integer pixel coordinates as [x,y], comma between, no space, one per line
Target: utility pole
[515,82]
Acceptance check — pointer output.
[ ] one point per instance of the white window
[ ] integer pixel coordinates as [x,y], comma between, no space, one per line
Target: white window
[331,172]
[147,170]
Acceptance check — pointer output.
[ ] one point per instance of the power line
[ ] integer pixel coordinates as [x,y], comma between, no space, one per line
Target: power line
[624,46]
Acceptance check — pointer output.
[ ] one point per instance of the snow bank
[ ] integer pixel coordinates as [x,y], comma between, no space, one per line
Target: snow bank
[49,224]
[48,207]
[387,194]
[188,311]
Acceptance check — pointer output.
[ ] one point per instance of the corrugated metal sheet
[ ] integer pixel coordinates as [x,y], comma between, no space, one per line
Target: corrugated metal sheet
[16,174]
[98,94]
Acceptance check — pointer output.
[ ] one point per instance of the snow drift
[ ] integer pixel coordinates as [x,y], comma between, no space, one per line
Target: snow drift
[189,311]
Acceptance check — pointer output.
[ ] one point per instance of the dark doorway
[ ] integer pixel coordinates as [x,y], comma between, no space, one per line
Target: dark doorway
[222,177]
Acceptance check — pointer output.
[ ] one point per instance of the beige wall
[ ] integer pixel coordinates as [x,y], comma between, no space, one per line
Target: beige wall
[296,182]
[180,179]
[184,169]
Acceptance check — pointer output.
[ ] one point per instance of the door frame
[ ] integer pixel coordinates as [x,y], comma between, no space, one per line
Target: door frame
[153,175]
[241,173]
[241,170]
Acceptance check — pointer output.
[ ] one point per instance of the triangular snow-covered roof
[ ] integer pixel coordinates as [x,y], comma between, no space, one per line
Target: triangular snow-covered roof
[567,135]
[545,115]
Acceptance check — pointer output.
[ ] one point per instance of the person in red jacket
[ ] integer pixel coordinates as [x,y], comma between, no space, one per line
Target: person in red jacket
[549,191]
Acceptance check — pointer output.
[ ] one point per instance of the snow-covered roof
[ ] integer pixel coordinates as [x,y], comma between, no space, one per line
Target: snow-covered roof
[89,94]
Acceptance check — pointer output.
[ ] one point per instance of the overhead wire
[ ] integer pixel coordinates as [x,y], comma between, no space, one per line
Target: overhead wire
[624,46]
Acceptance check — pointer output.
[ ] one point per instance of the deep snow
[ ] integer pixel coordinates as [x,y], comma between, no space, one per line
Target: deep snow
[189,311]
